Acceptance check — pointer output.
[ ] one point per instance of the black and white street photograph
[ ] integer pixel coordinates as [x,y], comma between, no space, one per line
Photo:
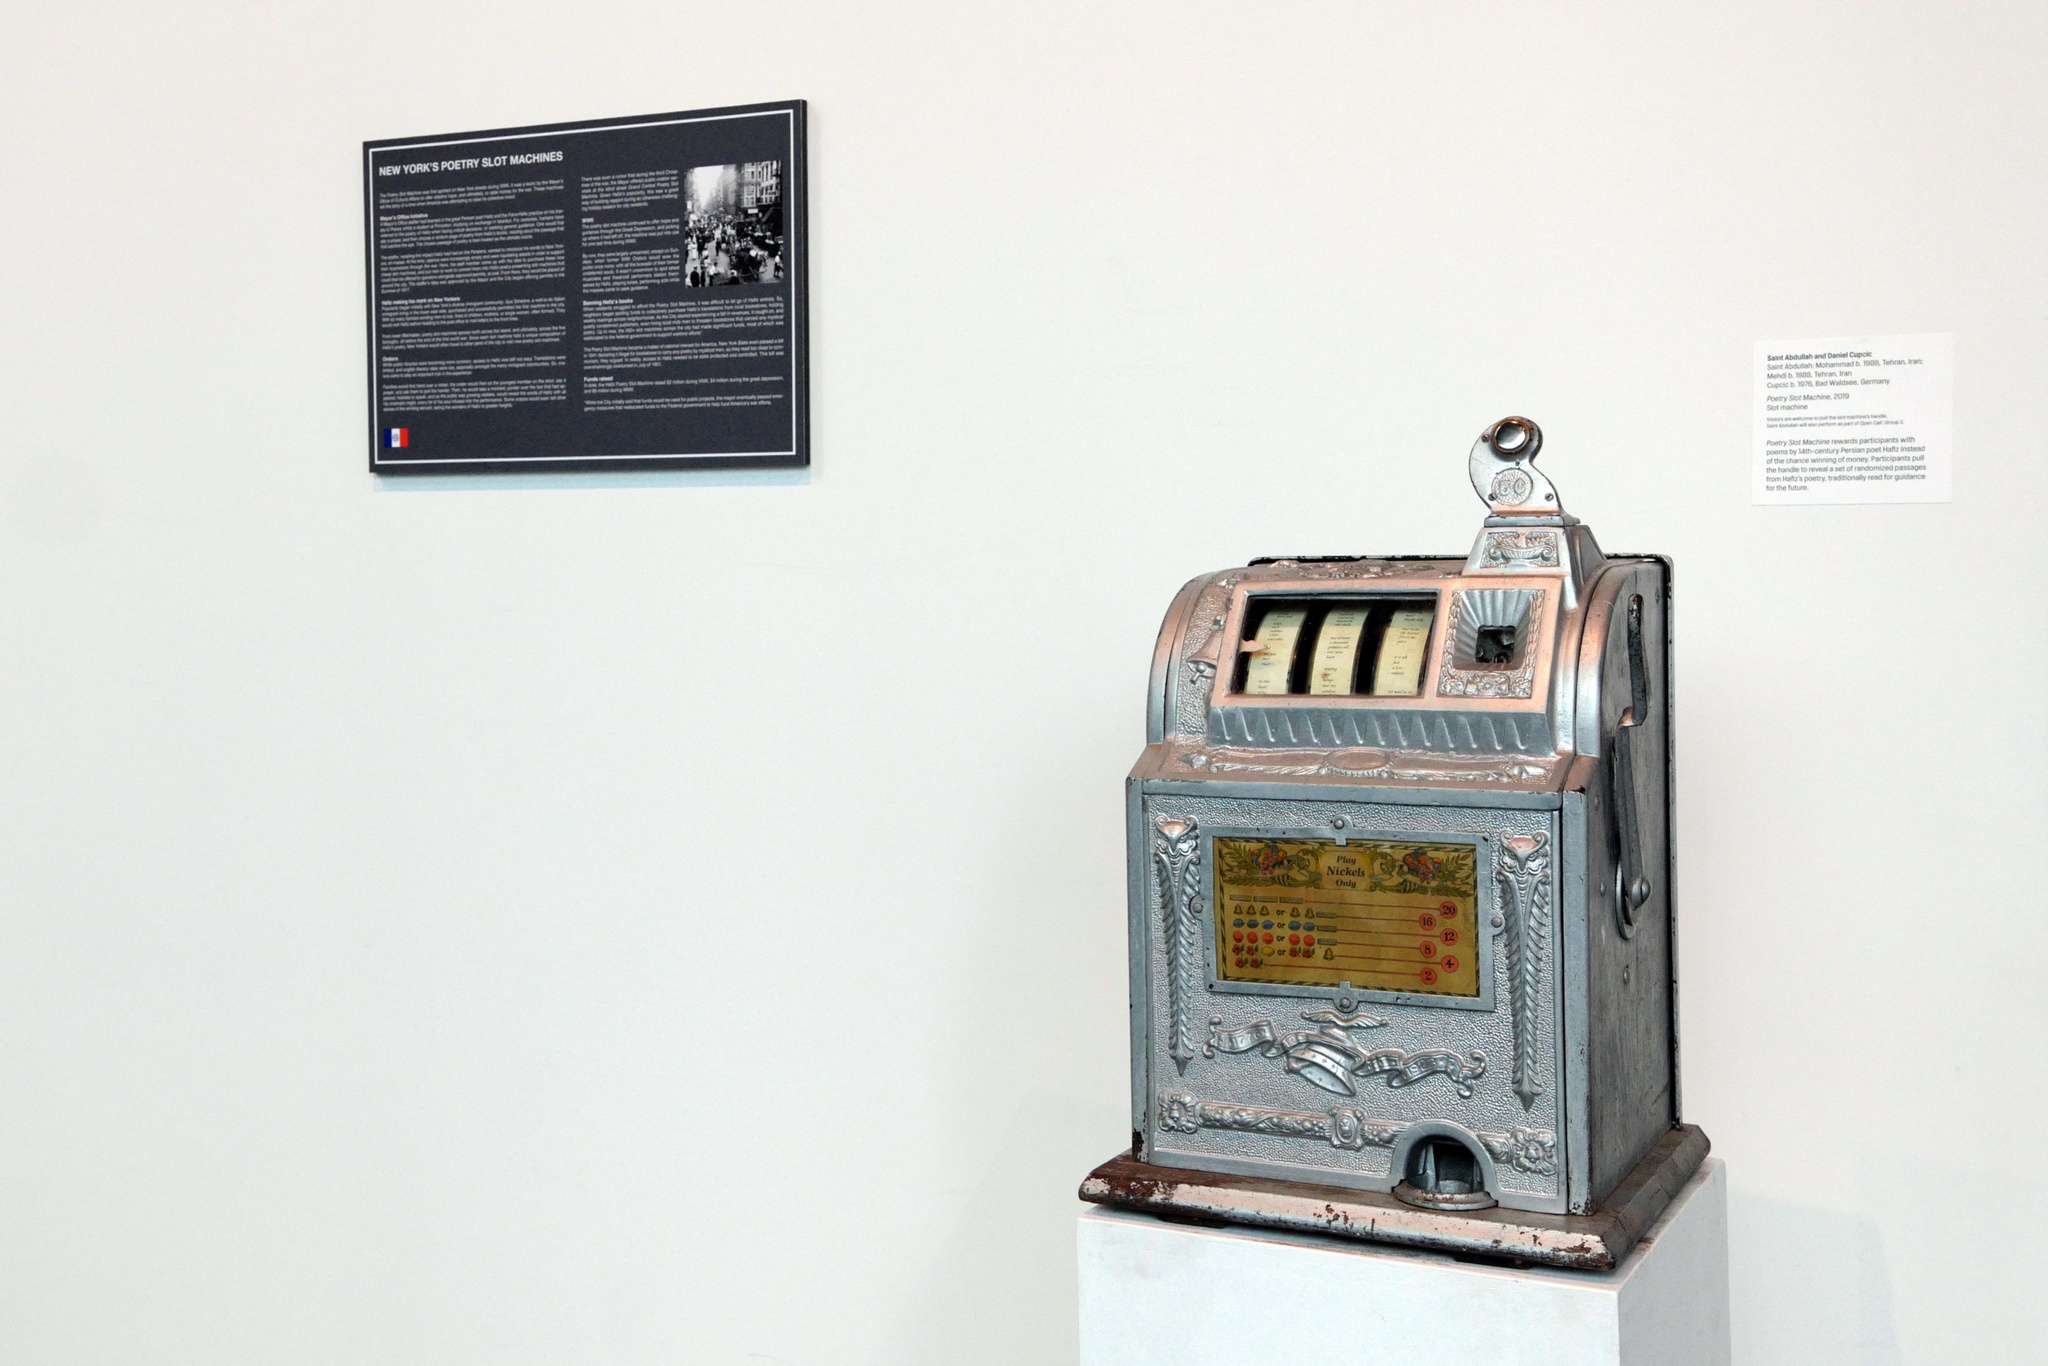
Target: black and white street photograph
[734,232]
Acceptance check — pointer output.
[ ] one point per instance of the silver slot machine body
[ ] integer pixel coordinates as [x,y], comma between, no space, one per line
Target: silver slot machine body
[1400,892]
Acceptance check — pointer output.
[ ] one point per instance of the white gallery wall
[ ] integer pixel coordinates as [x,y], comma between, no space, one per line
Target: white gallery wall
[679,918]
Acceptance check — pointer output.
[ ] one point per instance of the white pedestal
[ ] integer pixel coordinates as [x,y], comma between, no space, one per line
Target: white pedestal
[1182,1295]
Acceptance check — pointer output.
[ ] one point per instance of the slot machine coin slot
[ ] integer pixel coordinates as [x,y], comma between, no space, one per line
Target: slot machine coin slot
[1495,627]
[1496,645]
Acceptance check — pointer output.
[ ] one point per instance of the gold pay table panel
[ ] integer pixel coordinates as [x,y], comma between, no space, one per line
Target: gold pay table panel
[1382,915]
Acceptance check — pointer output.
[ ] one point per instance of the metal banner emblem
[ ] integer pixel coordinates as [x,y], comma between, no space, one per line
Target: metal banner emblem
[1329,1058]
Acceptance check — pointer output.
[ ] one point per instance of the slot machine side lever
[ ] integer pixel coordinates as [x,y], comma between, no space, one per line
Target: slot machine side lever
[1632,888]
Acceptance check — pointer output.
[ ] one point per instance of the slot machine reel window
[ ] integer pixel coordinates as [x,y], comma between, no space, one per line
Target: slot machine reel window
[1334,646]
[1374,915]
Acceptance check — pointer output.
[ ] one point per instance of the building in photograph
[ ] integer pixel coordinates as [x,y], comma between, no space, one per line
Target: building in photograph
[760,184]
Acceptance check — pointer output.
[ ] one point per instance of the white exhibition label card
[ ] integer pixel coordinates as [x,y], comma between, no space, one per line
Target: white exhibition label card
[1854,420]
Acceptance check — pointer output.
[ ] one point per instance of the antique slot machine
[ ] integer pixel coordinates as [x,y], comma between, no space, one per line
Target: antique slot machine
[1400,894]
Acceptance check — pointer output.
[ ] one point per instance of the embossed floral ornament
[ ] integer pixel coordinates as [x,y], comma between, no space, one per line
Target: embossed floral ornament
[1179,1112]
[1525,1150]
[1518,549]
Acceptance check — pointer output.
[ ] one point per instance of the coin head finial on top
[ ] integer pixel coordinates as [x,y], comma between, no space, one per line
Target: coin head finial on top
[1504,472]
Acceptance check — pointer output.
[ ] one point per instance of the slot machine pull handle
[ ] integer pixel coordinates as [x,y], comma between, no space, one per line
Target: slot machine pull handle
[1632,888]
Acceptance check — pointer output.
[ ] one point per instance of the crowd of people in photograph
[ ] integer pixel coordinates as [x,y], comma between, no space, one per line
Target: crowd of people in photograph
[733,248]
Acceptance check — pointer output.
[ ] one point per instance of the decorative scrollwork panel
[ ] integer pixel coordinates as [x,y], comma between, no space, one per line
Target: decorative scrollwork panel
[1531,1151]
[1176,845]
[1523,871]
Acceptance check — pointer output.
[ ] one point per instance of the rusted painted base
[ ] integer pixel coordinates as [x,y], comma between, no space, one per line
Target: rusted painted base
[1582,1242]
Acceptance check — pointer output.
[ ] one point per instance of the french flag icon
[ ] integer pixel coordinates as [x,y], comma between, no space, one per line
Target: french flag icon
[396,438]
